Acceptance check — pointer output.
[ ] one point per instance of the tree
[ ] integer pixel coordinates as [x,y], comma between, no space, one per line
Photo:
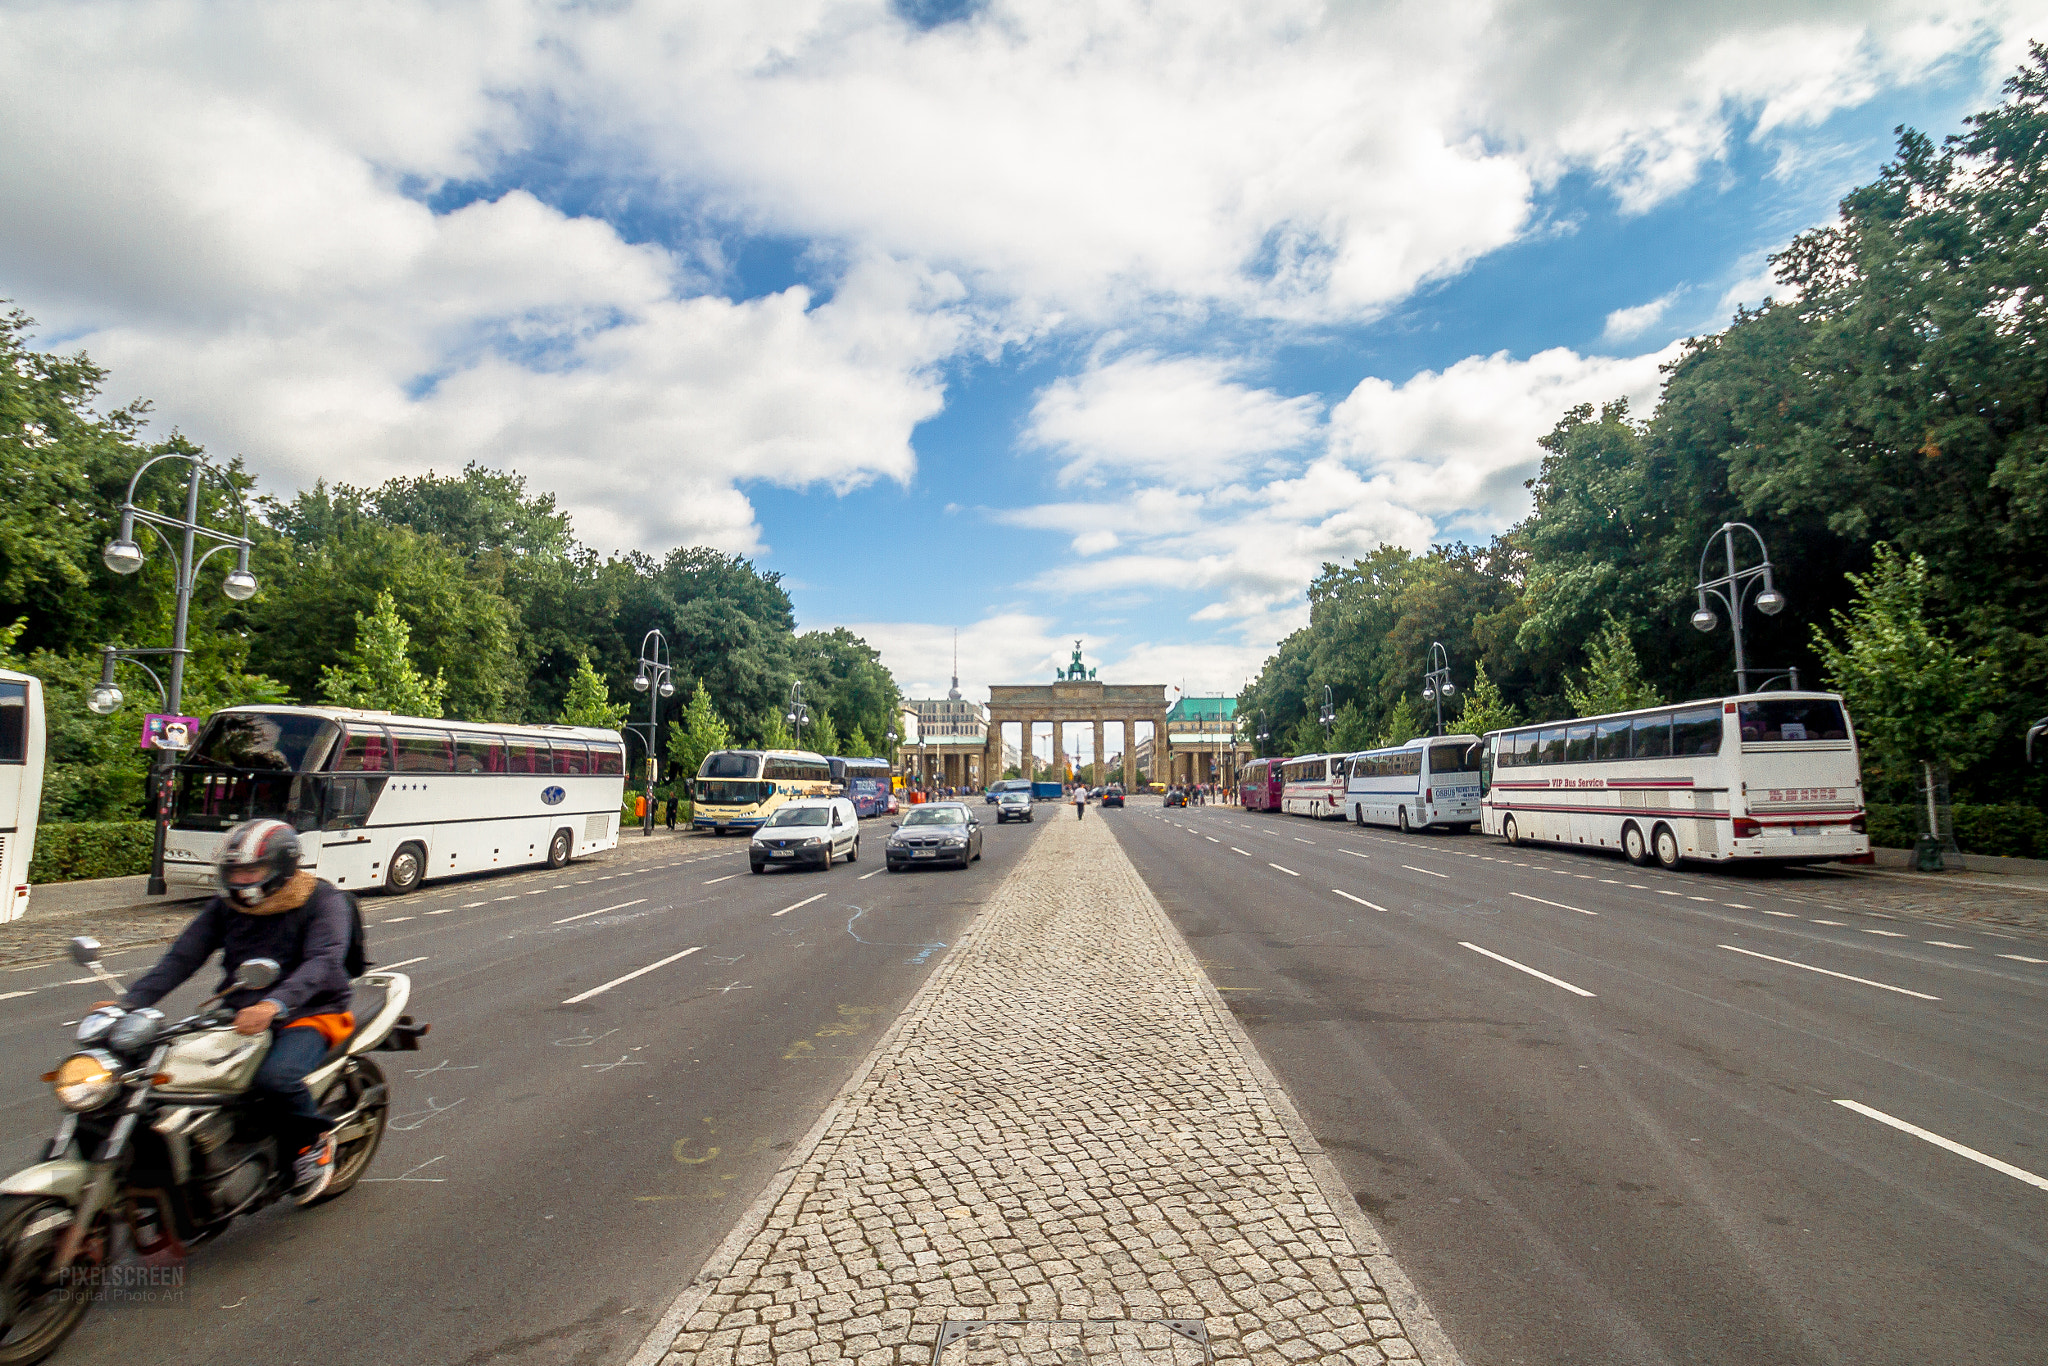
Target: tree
[590,702]
[377,673]
[1485,709]
[700,732]
[1403,724]
[1613,680]
[821,736]
[1918,700]
[774,731]
[857,746]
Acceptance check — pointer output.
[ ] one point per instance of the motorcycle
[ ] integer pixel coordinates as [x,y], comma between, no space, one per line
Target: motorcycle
[163,1137]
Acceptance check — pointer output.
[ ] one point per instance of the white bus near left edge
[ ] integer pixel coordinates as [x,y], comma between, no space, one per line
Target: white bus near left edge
[390,801]
[1762,776]
[23,743]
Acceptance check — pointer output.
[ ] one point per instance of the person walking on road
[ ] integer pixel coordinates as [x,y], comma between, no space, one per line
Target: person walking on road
[1080,801]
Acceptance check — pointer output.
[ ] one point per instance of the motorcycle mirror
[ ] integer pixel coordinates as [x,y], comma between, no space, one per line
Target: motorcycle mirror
[257,973]
[85,950]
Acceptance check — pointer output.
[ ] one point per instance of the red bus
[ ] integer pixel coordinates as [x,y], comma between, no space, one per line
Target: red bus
[1259,784]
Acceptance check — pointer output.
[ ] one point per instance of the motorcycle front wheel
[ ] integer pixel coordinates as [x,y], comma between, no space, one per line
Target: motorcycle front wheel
[38,1306]
[353,1153]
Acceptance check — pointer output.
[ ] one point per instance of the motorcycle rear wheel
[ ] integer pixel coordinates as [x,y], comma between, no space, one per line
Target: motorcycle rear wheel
[36,1315]
[352,1157]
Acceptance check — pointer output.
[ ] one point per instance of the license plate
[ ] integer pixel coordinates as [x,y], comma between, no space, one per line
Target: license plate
[926,853]
[1809,830]
[781,853]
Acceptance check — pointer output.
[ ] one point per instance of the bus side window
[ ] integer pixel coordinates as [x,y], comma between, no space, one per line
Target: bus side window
[1610,740]
[13,723]
[363,751]
[1550,746]
[571,757]
[1697,731]
[607,760]
[1651,738]
[423,751]
[478,754]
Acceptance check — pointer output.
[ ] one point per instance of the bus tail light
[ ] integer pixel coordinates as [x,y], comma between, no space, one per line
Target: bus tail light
[1747,829]
[1428,794]
[1856,826]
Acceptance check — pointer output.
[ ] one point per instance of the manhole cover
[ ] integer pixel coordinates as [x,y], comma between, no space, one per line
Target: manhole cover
[1072,1342]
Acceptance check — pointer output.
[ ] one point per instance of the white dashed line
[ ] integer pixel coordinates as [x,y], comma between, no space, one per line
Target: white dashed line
[1289,871]
[715,881]
[1944,944]
[1431,871]
[1889,934]
[1235,850]
[1354,853]
[799,905]
[2022,958]
[587,914]
[401,963]
[1825,972]
[1559,904]
[2016,1173]
[637,972]
[1360,900]
[394,919]
[1524,967]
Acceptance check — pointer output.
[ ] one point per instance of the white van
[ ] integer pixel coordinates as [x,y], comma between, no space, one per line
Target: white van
[810,831]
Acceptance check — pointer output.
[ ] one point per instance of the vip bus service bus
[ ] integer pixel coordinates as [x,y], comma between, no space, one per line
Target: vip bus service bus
[23,740]
[1762,776]
[1313,785]
[738,789]
[1430,781]
[864,782]
[1259,785]
[391,801]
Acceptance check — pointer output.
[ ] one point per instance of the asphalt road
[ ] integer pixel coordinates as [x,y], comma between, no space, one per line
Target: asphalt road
[1641,1157]
[554,1173]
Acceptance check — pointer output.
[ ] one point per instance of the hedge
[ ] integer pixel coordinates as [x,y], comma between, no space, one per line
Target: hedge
[69,850]
[2007,830]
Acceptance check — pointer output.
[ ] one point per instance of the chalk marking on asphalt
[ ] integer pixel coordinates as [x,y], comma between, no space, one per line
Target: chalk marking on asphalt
[2016,1173]
[799,905]
[1559,904]
[1889,934]
[1360,900]
[1354,853]
[402,963]
[713,882]
[1431,871]
[1524,967]
[587,914]
[637,972]
[1235,850]
[2022,958]
[1828,972]
[1944,944]
[1289,871]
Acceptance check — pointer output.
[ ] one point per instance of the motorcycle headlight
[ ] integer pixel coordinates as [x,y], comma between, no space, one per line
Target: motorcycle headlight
[96,1023]
[86,1081]
[136,1030]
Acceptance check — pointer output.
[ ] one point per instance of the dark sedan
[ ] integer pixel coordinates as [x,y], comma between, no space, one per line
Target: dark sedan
[1112,796]
[942,832]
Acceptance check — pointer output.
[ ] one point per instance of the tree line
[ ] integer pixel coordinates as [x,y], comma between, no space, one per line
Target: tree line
[1883,426]
[462,595]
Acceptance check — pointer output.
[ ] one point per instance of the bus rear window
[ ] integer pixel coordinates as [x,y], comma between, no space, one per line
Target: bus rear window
[730,765]
[275,741]
[1453,759]
[13,723]
[1791,719]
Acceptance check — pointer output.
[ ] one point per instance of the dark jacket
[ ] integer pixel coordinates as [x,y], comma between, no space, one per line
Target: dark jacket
[309,944]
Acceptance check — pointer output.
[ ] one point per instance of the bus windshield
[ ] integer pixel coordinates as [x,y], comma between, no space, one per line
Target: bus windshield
[275,741]
[729,764]
[721,792]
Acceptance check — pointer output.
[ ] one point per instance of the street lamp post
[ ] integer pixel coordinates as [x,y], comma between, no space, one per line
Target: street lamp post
[1436,684]
[1732,588]
[1328,716]
[798,715]
[124,556]
[656,678]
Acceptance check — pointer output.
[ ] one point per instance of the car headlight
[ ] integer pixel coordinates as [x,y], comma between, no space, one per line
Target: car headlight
[86,1081]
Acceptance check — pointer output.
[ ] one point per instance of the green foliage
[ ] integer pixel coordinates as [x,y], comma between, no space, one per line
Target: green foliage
[821,735]
[772,731]
[1485,709]
[378,673]
[698,733]
[589,702]
[70,851]
[1613,680]
[857,746]
[1915,697]
[2005,830]
[1403,724]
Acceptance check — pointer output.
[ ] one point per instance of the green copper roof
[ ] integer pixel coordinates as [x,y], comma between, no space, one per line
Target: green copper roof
[1203,709]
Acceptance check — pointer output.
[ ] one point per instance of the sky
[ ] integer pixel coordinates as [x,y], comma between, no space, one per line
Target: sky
[1023,321]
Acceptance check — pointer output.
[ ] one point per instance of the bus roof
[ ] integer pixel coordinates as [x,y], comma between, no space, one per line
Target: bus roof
[1774,694]
[392,718]
[778,753]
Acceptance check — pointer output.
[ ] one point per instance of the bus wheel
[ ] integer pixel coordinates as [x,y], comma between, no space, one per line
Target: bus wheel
[1632,845]
[1510,832]
[408,865]
[1401,819]
[1358,815]
[559,847]
[1667,847]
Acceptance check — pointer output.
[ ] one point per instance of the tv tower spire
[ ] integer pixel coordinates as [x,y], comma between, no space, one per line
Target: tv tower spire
[955,694]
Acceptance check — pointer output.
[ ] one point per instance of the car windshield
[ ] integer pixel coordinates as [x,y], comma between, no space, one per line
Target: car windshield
[1013,798]
[937,815]
[802,815]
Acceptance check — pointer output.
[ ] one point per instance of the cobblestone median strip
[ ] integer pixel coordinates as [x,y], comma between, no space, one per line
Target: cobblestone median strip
[1065,1124]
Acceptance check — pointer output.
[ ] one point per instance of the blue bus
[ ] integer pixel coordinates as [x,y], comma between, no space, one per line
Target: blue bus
[864,782]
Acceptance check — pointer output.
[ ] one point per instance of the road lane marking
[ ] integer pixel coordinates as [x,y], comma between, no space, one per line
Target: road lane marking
[472,905]
[1818,921]
[1827,972]
[1782,915]
[1212,839]
[1431,871]
[865,876]
[1354,853]
[401,963]
[1737,906]
[637,972]
[1360,900]
[1559,904]
[10,995]
[445,910]
[2022,958]
[799,905]
[715,881]
[1524,967]
[1289,871]
[2016,1173]
[1665,891]
[1889,934]
[587,914]
[1944,944]
[1299,840]
[505,898]
[1235,850]
[539,891]
[1637,886]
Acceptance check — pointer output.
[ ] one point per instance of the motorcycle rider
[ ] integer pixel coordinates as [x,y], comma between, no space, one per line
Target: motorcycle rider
[269,907]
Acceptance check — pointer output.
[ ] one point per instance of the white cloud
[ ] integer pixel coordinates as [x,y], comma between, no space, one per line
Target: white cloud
[1185,422]
[1624,323]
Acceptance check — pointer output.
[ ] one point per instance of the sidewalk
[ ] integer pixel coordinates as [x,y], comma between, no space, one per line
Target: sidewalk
[1065,1124]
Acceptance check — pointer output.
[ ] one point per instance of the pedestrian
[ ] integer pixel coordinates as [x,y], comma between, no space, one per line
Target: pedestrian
[675,799]
[1080,801]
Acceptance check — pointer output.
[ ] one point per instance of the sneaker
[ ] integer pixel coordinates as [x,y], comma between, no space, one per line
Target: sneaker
[313,1170]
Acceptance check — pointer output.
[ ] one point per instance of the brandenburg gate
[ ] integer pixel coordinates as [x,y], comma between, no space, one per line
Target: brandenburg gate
[1076,698]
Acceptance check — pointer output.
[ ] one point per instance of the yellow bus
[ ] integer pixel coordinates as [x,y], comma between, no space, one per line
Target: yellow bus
[738,789]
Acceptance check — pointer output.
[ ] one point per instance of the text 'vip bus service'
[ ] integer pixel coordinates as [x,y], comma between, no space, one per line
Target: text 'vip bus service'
[390,801]
[1770,776]
[737,789]
[1430,781]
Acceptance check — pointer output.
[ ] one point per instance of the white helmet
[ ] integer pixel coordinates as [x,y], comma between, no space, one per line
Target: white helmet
[256,859]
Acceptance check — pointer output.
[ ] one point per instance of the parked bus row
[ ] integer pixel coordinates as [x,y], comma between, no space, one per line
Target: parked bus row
[1760,776]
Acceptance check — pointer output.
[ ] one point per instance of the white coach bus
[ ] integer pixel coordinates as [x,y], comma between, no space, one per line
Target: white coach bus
[390,801]
[1770,776]
[23,740]
[1313,785]
[1429,781]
